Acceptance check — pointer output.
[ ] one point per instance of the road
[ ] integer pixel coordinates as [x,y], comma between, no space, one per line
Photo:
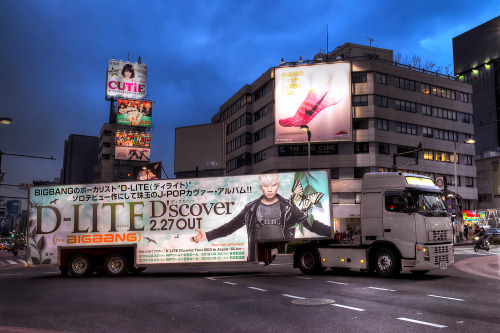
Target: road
[253,298]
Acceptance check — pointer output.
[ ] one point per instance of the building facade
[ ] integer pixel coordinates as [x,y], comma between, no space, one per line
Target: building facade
[395,108]
[111,167]
[79,160]
[476,56]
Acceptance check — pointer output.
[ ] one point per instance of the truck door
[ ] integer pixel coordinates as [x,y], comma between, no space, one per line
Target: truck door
[399,222]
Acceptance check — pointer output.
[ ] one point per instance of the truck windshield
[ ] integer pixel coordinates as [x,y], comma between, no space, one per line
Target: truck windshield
[430,204]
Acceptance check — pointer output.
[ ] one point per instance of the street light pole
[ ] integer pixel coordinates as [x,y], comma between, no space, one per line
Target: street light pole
[306,128]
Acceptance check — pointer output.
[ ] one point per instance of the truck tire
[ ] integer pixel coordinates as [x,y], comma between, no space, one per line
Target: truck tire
[386,263]
[116,265]
[309,261]
[80,264]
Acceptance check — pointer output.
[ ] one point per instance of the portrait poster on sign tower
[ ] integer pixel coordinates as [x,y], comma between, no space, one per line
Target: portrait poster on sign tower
[314,95]
[126,80]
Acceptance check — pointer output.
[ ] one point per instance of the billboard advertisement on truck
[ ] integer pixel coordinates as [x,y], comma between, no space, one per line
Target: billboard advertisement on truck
[199,220]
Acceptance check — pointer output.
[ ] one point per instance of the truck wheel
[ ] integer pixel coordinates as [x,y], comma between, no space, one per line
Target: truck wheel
[309,262]
[116,265]
[80,265]
[386,263]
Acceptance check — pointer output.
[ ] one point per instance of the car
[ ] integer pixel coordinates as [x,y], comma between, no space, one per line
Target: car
[492,233]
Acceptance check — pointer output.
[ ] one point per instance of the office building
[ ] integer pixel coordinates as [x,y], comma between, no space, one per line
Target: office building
[79,160]
[392,110]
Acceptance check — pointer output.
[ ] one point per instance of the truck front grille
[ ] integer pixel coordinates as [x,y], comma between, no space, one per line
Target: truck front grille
[438,259]
[440,235]
[441,249]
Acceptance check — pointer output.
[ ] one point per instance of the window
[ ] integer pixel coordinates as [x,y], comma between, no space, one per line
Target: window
[361,100]
[334,173]
[450,180]
[360,172]
[383,124]
[242,120]
[406,128]
[381,101]
[445,135]
[260,93]
[468,160]
[469,182]
[384,170]
[261,113]
[361,148]
[260,156]
[383,148]
[357,198]
[243,100]
[466,118]
[426,110]
[260,134]
[427,131]
[405,106]
[335,198]
[485,197]
[464,97]
[238,162]
[404,83]
[425,88]
[445,114]
[428,154]
[381,78]
[360,123]
[358,77]
[244,139]
[442,92]
[395,201]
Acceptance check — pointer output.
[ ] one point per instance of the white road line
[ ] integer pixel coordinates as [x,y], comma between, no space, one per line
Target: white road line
[235,276]
[303,277]
[291,296]
[347,307]
[12,262]
[380,289]
[345,284]
[422,322]
[255,288]
[453,299]
[231,283]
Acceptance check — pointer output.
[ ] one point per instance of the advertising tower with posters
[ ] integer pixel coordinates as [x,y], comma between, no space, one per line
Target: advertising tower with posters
[125,141]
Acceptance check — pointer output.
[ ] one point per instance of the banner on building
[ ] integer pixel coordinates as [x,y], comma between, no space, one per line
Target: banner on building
[134,113]
[149,171]
[132,153]
[130,139]
[314,95]
[126,80]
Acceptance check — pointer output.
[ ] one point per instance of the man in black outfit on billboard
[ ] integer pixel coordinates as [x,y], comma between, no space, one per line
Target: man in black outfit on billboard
[268,218]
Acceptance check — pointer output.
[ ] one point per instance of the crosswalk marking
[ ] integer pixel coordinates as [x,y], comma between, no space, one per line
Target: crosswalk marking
[11,262]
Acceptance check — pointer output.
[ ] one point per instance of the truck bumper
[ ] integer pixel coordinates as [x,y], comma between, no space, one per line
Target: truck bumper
[430,257]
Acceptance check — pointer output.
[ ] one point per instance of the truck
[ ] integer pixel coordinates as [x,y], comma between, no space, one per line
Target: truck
[404,225]
[125,227]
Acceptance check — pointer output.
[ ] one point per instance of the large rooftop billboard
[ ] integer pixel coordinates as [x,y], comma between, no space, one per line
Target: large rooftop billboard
[126,80]
[135,113]
[317,96]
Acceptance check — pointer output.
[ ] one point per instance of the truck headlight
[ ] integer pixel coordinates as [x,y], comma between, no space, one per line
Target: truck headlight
[426,253]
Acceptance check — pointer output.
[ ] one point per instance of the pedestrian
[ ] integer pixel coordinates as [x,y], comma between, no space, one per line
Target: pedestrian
[466,232]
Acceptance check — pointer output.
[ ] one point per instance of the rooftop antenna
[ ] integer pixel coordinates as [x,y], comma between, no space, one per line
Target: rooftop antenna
[327,41]
[139,61]
[371,40]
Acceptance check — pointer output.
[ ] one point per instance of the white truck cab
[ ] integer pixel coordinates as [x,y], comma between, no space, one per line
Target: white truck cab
[404,226]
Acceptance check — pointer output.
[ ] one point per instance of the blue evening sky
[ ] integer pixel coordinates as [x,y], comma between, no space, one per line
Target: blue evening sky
[54,55]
